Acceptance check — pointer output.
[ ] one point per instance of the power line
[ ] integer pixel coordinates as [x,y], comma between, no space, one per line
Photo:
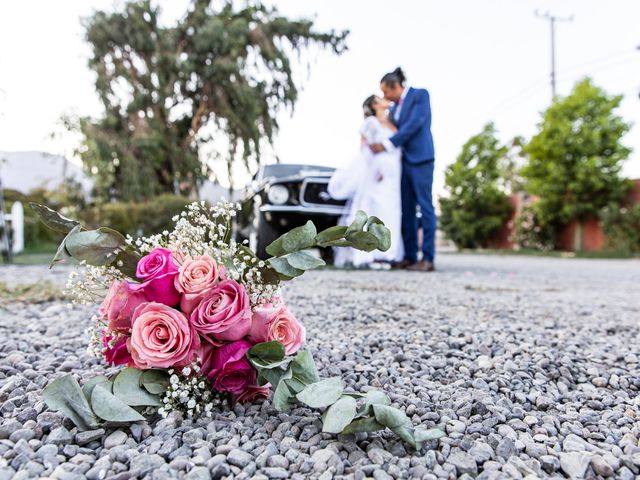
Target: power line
[552,23]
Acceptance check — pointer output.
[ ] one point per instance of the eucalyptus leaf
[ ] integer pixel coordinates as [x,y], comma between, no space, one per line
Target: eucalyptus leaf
[282,395]
[275,248]
[52,219]
[364,241]
[303,368]
[304,261]
[405,432]
[331,234]
[270,375]
[339,415]
[358,223]
[267,355]
[299,238]
[368,424]
[62,253]
[127,262]
[321,394]
[422,434]
[127,388]
[390,416]
[286,271]
[96,247]
[110,408]
[383,235]
[155,381]
[64,394]
[87,388]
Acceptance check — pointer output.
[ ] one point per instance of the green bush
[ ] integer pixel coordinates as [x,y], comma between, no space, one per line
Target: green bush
[621,226]
[532,233]
[135,218]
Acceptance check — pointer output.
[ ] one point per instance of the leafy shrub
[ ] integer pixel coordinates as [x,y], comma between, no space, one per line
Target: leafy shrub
[621,226]
[531,233]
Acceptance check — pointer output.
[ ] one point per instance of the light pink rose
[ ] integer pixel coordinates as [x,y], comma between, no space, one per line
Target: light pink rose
[161,337]
[252,393]
[157,271]
[277,323]
[228,368]
[196,278]
[225,313]
[119,304]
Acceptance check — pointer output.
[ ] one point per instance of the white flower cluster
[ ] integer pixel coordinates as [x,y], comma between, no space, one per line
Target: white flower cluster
[189,393]
[88,284]
[95,347]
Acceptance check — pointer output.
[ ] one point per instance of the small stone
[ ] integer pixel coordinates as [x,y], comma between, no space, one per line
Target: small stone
[114,439]
[456,426]
[82,438]
[142,464]
[198,473]
[600,466]
[481,452]
[239,458]
[59,436]
[600,382]
[530,420]
[22,434]
[278,461]
[463,462]
[549,463]
[506,448]
[276,472]
[575,464]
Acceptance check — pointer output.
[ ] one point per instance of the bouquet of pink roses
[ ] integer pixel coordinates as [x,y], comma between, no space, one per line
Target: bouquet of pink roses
[197,320]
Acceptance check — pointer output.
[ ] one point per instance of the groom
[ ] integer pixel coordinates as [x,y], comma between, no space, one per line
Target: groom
[411,113]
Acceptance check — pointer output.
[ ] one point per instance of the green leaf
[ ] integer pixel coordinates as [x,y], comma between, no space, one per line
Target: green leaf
[321,394]
[282,395]
[390,416]
[96,247]
[52,219]
[422,434]
[87,388]
[270,375]
[275,248]
[339,415]
[331,234]
[304,261]
[299,238]
[267,355]
[110,408]
[358,223]
[369,424]
[129,262]
[341,242]
[405,432]
[373,397]
[383,235]
[126,387]
[304,369]
[364,241]
[64,394]
[155,381]
[286,271]
[62,253]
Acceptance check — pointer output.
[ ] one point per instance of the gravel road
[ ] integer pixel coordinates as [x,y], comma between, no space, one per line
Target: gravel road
[531,364]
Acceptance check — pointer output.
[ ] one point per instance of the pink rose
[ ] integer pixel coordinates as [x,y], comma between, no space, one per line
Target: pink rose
[161,337]
[197,277]
[252,393]
[277,323]
[225,313]
[228,368]
[157,271]
[117,354]
[119,304]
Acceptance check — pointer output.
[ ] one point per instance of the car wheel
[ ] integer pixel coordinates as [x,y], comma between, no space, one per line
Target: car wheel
[266,235]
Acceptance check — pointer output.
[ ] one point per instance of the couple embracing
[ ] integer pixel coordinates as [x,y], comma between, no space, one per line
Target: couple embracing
[393,175]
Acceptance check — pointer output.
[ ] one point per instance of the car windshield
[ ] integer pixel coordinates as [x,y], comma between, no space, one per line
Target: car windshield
[281,170]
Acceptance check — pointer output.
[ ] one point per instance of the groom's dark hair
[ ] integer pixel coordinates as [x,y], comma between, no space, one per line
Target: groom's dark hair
[393,78]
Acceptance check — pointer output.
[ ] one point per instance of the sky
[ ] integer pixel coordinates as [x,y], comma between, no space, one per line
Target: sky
[481,61]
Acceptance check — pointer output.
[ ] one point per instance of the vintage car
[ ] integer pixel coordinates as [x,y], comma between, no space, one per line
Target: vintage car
[284,196]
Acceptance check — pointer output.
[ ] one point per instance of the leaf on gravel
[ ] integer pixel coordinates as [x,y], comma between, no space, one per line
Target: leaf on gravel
[64,394]
[304,369]
[87,388]
[390,416]
[369,424]
[108,407]
[321,394]
[267,355]
[155,381]
[126,387]
[339,415]
[422,434]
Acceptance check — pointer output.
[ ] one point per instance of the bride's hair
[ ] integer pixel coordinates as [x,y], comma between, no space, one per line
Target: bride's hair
[393,78]
[367,106]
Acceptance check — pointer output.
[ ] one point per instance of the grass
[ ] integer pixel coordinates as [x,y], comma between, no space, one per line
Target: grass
[553,254]
[33,255]
[33,293]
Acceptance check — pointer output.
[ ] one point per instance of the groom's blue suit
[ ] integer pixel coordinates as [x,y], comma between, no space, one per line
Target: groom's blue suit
[415,139]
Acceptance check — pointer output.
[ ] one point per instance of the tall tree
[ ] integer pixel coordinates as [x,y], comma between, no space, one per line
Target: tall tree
[575,159]
[221,74]
[477,205]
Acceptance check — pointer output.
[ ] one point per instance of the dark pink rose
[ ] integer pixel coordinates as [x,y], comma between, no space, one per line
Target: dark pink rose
[225,313]
[275,322]
[157,270]
[161,337]
[252,393]
[119,304]
[228,368]
[118,353]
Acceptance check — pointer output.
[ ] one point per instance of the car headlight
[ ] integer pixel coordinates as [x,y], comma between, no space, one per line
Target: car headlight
[278,194]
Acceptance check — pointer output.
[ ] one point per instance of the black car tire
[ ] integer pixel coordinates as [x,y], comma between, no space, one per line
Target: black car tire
[266,235]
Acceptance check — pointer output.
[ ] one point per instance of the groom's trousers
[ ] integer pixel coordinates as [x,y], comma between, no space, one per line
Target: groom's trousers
[416,185]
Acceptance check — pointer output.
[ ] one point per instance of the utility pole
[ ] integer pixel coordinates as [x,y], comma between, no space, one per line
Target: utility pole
[552,23]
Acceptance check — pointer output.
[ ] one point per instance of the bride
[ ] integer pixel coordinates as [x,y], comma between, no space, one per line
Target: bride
[371,182]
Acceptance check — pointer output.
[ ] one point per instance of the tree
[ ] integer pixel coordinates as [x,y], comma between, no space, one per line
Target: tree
[219,75]
[574,161]
[477,206]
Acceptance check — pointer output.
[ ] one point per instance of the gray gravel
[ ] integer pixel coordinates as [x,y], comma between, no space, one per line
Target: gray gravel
[530,364]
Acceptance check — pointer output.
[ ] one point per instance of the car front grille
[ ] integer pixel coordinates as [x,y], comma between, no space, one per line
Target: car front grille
[314,192]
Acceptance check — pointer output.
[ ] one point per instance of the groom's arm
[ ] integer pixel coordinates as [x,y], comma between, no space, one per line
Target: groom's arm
[420,113]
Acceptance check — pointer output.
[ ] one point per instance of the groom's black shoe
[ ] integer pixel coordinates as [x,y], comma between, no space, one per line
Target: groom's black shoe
[421,266]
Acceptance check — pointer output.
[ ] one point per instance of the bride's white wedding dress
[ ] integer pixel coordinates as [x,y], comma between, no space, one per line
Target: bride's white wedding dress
[371,182]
